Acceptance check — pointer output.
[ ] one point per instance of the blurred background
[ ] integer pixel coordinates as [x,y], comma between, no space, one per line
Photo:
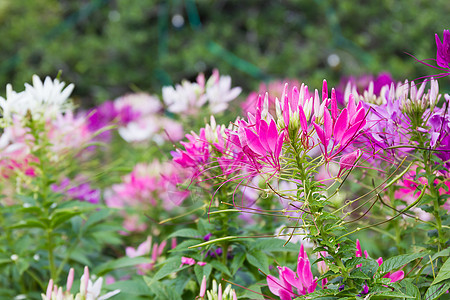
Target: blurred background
[111,47]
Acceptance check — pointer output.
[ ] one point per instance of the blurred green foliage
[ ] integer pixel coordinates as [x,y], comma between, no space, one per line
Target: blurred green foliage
[109,47]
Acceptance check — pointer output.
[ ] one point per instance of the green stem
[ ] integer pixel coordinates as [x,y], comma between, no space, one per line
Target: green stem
[435,196]
[51,258]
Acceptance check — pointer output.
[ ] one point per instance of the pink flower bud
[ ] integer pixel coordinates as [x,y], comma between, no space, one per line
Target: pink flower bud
[70,279]
[203,287]
[347,161]
[48,294]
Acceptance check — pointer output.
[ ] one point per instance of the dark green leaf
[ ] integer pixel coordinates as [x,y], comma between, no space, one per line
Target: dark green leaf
[162,291]
[253,292]
[186,232]
[122,262]
[444,273]
[396,262]
[258,259]
[272,245]
[237,262]
[201,271]
[136,287]
[220,266]
[435,291]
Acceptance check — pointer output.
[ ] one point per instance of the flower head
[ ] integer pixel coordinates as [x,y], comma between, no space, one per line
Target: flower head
[443,50]
[302,281]
[41,99]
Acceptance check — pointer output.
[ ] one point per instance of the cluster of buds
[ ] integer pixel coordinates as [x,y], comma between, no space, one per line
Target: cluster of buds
[418,101]
[216,292]
[88,290]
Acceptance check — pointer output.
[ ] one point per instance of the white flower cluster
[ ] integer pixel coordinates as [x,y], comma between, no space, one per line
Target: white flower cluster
[41,99]
[189,97]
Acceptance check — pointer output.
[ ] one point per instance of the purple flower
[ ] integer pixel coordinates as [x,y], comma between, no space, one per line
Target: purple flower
[81,192]
[443,50]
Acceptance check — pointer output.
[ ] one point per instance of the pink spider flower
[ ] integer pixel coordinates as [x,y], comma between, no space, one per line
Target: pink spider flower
[396,276]
[144,249]
[442,56]
[340,128]
[443,50]
[265,141]
[302,281]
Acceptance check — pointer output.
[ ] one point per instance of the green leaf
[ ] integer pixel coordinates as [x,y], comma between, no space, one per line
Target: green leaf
[249,294]
[445,253]
[201,271]
[122,262]
[396,262]
[355,261]
[162,291]
[170,266]
[407,287]
[272,245]
[220,266]
[258,259]
[444,273]
[30,223]
[383,291]
[186,232]
[237,262]
[63,217]
[136,287]
[96,217]
[358,274]
[323,294]
[435,291]
[184,246]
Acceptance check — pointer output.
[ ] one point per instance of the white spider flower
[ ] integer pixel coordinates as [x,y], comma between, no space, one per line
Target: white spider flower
[219,92]
[41,99]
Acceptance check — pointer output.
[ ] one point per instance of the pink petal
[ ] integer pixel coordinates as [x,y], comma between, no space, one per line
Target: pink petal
[321,135]
[327,125]
[254,143]
[289,276]
[262,132]
[379,261]
[302,118]
[396,276]
[334,108]
[295,97]
[324,90]
[340,126]
[351,107]
[272,136]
